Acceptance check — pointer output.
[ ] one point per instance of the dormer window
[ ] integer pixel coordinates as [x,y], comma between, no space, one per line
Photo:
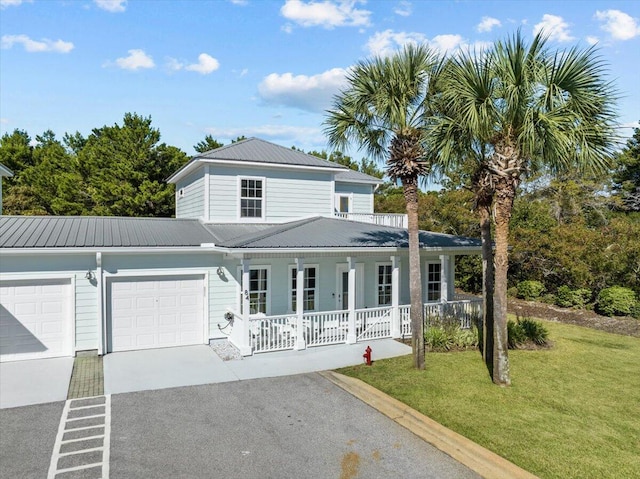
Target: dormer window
[251,198]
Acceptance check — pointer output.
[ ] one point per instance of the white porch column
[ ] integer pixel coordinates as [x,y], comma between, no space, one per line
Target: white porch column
[102,317]
[242,336]
[300,342]
[444,278]
[396,328]
[351,333]
[452,277]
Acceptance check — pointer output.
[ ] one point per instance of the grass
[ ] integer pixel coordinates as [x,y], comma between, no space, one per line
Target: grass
[572,411]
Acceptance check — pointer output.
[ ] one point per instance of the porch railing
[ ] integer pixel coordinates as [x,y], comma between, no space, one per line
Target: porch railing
[382,219]
[374,323]
[276,333]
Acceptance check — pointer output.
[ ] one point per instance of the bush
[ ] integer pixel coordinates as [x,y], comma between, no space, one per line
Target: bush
[526,330]
[568,298]
[515,334]
[616,300]
[513,292]
[446,338]
[534,331]
[548,299]
[530,289]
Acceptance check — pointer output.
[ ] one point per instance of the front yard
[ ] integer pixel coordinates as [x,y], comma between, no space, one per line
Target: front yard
[572,412]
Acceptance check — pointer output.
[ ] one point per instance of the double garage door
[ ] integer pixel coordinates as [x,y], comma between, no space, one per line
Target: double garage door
[155,312]
[36,319]
[37,316]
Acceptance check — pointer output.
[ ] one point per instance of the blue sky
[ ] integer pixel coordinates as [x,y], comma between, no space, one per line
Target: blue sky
[262,68]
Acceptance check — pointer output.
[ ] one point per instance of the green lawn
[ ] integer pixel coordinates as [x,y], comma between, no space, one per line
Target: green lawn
[572,411]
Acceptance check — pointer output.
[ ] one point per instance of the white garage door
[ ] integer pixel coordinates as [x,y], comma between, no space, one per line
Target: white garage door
[35,319]
[156,312]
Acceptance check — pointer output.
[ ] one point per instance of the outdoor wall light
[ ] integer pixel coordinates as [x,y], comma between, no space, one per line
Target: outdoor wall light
[90,276]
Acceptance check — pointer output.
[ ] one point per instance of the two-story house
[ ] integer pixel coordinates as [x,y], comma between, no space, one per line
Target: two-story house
[270,247]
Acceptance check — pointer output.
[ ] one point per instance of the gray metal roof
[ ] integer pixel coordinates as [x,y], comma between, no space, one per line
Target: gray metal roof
[100,232]
[117,232]
[320,232]
[352,176]
[255,150]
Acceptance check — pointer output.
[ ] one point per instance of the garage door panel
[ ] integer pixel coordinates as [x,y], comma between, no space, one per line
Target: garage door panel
[162,312]
[35,319]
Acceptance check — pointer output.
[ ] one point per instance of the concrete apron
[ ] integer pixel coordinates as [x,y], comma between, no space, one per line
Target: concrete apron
[38,381]
[194,365]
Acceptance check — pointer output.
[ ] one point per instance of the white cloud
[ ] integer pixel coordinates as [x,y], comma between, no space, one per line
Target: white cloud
[242,3]
[389,42]
[174,65]
[327,14]
[114,6]
[311,93]
[12,3]
[554,27]
[592,40]
[206,64]
[4,121]
[618,24]
[404,9]
[44,45]
[487,24]
[136,60]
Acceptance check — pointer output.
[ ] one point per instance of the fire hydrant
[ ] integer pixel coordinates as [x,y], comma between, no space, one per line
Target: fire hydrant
[367,356]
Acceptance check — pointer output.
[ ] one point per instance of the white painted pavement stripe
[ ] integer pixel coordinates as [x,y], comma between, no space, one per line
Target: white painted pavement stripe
[106,437]
[83,428]
[81,451]
[53,465]
[73,419]
[106,455]
[86,407]
[68,441]
[79,468]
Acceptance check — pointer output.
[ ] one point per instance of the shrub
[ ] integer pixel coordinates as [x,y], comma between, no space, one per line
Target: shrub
[534,331]
[466,338]
[530,289]
[513,292]
[437,339]
[548,299]
[616,300]
[567,297]
[515,334]
[526,330]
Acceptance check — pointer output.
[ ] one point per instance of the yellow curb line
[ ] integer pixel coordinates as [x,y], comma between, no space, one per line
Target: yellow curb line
[477,458]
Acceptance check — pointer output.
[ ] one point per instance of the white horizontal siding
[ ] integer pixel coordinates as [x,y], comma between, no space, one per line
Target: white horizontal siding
[289,194]
[191,205]
[362,196]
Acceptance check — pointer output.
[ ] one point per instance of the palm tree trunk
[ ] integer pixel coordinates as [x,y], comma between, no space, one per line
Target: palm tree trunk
[504,195]
[484,212]
[410,190]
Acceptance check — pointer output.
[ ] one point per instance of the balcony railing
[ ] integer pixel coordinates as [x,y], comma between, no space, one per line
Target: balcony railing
[382,219]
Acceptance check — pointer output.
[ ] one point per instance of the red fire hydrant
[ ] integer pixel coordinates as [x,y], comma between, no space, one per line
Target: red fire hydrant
[367,356]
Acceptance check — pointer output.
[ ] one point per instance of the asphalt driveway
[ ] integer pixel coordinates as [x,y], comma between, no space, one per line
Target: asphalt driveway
[286,427]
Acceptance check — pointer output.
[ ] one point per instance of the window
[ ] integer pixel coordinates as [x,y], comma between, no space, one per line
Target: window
[433,281]
[344,202]
[251,198]
[310,288]
[384,284]
[258,290]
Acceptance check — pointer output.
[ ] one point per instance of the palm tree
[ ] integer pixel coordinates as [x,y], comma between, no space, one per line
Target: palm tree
[529,109]
[383,110]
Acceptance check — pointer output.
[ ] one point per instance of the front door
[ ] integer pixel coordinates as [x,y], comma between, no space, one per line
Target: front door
[342,286]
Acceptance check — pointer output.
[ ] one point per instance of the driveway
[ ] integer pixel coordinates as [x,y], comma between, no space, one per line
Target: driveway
[34,382]
[285,427]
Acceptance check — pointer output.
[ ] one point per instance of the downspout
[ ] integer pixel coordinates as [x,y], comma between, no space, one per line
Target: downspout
[102,320]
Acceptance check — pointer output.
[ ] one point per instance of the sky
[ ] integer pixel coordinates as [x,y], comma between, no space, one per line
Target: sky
[258,68]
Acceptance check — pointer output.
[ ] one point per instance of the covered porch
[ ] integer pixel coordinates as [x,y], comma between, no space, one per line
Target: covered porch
[381,313]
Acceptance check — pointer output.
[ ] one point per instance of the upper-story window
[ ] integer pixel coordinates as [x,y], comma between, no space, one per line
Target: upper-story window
[251,198]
